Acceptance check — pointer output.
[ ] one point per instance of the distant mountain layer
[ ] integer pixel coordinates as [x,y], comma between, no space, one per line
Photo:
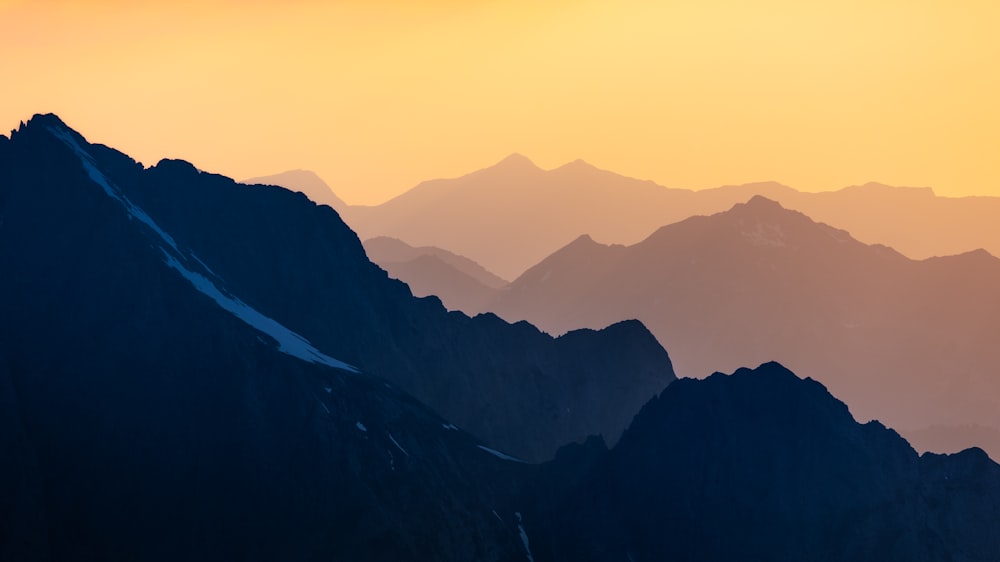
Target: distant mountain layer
[304,181]
[389,250]
[510,216]
[459,282]
[912,343]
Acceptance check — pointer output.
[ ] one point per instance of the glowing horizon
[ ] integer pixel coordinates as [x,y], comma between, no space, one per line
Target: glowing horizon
[378,96]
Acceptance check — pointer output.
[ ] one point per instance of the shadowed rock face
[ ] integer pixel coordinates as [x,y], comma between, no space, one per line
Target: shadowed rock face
[908,342]
[518,389]
[761,465]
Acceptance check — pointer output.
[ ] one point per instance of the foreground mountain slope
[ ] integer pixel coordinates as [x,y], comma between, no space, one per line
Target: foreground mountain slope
[761,465]
[760,283]
[146,417]
[518,389]
[473,214]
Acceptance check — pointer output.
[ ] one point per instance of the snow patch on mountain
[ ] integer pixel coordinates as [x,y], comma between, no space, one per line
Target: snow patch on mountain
[524,537]
[288,341]
[90,166]
[500,455]
[396,443]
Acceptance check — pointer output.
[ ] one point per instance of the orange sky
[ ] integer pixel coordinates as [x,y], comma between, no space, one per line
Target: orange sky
[376,96]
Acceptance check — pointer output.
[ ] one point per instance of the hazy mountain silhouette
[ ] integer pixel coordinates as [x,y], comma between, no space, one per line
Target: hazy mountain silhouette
[513,214]
[761,465]
[510,216]
[909,342]
[459,282]
[303,181]
[297,263]
[165,394]
[383,249]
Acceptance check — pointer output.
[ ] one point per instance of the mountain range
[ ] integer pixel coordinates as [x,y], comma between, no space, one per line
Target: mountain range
[192,368]
[760,282]
[298,264]
[512,215]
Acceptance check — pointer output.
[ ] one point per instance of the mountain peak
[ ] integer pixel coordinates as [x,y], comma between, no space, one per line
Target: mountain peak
[576,165]
[516,160]
[46,120]
[761,202]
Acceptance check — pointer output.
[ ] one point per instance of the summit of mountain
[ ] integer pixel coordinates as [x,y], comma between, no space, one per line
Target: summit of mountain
[515,161]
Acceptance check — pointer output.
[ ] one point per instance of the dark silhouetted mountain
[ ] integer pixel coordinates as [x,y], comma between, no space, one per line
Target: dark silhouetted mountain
[459,282]
[148,412]
[909,342]
[510,216]
[297,263]
[303,181]
[761,465]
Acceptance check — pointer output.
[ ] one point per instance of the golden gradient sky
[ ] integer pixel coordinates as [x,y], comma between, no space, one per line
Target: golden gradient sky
[376,96]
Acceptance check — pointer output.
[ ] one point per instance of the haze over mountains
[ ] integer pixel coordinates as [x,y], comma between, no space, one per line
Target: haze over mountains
[912,343]
[510,216]
[459,282]
[192,368]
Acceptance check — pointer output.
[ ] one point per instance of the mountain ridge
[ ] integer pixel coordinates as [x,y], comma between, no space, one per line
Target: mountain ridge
[619,209]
